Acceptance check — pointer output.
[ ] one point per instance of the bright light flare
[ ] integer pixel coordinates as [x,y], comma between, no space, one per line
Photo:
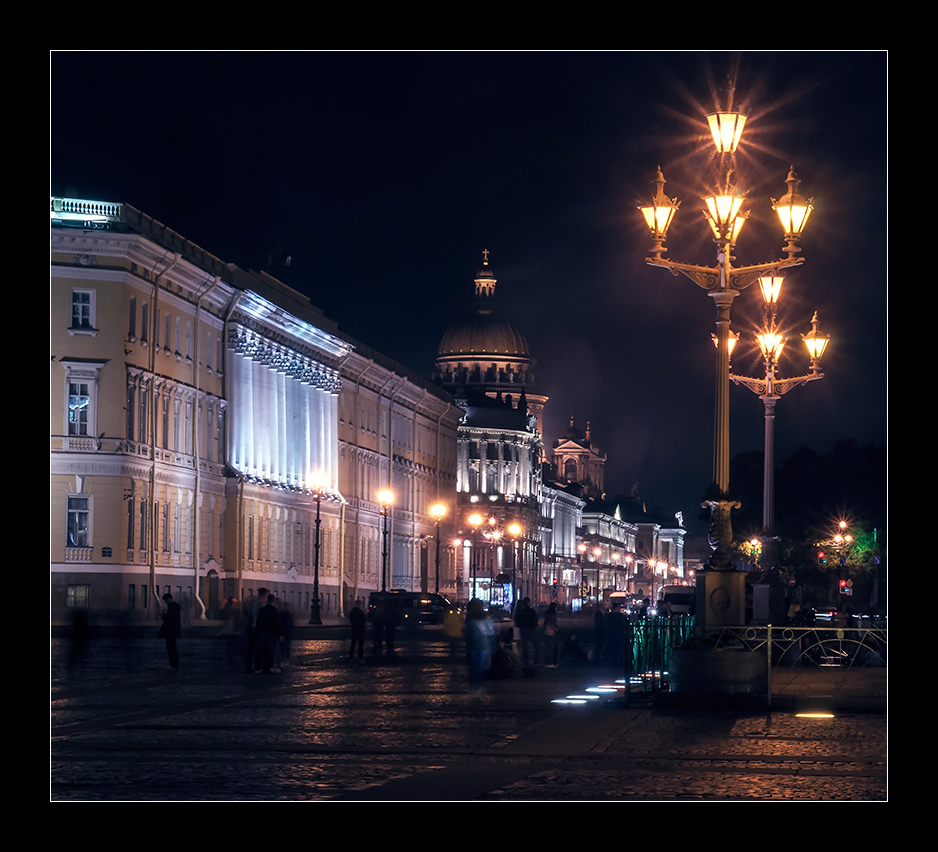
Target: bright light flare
[726,128]
[771,288]
[793,209]
[771,344]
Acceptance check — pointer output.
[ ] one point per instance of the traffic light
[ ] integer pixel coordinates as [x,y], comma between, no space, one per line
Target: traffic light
[843,587]
[821,558]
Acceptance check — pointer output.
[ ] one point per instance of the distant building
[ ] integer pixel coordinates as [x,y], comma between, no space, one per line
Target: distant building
[577,459]
[483,360]
[483,351]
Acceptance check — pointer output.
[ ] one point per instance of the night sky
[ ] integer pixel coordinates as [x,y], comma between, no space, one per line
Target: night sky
[384,175]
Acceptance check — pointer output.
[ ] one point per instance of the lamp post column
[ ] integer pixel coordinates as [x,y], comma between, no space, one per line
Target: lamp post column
[438,510]
[385,498]
[315,612]
[768,472]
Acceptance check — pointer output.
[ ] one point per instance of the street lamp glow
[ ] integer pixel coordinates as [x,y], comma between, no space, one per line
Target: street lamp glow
[722,212]
[659,214]
[385,498]
[771,286]
[771,344]
[793,209]
[726,128]
[732,338]
[438,510]
[815,341]
[317,482]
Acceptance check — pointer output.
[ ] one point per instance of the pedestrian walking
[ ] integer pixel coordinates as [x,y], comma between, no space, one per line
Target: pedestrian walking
[252,662]
[599,630]
[526,622]
[357,621]
[232,630]
[479,639]
[171,630]
[268,633]
[615,635]
[551,633]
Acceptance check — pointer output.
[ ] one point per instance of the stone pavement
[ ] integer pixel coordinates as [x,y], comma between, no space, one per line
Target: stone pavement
[410,729]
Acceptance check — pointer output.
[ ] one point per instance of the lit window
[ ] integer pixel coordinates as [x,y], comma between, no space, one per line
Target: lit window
[77,596]
[78,533]
[79,407]
[81,390]
[83,312]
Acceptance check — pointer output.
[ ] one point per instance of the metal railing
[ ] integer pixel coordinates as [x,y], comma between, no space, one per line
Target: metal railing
[775,649]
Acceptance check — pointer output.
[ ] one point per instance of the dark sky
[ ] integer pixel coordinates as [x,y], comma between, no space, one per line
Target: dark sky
[385,175]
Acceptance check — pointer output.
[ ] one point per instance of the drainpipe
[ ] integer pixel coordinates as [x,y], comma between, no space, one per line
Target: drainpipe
[197,526]
[358,507]
[154,419]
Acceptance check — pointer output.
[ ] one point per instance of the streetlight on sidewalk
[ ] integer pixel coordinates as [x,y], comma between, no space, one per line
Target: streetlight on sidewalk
[515,530]
[438,510]
[771,387]
[723,283]
[315,606]
[475,521]
[385,498]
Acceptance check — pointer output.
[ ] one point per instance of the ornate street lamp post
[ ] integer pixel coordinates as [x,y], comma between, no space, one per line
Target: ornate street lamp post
[771,388]
[723,283]
[597,552]
[514,530]
[385,498]
[475,521]
[438,510]
[315,606]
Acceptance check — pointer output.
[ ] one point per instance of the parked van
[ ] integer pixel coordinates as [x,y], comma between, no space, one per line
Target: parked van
[412,607]
[683,599]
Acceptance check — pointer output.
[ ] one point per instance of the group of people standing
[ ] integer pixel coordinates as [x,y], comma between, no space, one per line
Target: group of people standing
[260,634]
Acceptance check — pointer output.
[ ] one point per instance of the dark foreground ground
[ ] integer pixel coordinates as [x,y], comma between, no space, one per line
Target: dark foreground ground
[410,729]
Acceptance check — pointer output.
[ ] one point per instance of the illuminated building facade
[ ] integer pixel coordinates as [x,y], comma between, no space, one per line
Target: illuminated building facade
[192,406]
[483,360]
[577,459]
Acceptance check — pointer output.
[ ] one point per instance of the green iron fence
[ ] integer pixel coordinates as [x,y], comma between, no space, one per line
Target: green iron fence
[771,651]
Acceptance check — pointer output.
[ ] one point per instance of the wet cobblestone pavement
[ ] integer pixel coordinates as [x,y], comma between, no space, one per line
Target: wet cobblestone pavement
[411,730]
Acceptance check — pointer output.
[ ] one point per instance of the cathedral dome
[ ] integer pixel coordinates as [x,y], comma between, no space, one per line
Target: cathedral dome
[572,433]
[483,334]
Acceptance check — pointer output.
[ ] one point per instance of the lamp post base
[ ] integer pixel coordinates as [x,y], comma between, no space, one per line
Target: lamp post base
[314,612]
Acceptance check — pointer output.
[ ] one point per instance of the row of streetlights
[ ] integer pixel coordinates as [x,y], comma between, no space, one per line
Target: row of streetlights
[438,511]
[385,501]
[656,565]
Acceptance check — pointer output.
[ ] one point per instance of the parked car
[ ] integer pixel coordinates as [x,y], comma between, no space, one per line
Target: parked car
[412,607]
